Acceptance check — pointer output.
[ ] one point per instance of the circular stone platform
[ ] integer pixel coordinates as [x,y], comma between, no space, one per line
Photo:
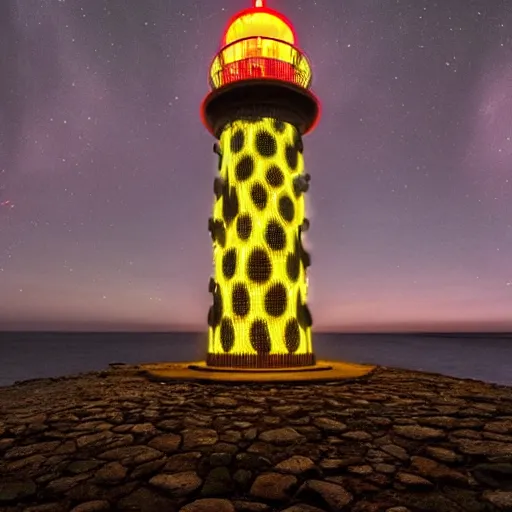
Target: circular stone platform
[323,371]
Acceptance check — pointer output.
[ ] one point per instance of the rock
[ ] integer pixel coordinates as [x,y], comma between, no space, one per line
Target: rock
[252,461]
[166,443]
[419,433]
[414,481]
[248,410]
[192,438]
[443,422]
[220,459]
[147,469]
[47,507]
[250,506]
[433,501]
[288,411]
[495,475]
[29,463]
[92,506]
[296,465]
[218,483]
[131,455]
[281,436]
[487,448]
[94,440]
[436,471]
[242,478]
[333,464]
[224,401]
[209,505]
[145,429]
[334,496]
[465,433]
[19,452]
[273,486]
[146,500]
[499,427]
[357,435]
[302,507]
[395,451]
[111,473]
[397,509]
[500,499]
[178,484]
[250,434]
[231,436]
[64,484]
[361,470]
[182,462]
[83,466]
[387,469]
[330,425]
[14,491]
[443,454]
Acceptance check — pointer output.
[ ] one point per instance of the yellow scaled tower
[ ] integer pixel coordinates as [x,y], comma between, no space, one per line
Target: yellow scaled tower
[259,108]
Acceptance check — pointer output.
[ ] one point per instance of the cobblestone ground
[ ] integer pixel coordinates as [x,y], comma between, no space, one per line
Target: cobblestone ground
[395,441]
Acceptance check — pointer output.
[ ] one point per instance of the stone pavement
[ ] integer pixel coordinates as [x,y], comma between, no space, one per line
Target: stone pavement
[394,441]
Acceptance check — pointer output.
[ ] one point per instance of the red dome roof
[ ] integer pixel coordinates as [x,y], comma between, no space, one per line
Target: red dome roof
[259,21]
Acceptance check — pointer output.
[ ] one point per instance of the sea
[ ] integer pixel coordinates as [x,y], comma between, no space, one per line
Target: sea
[32,355]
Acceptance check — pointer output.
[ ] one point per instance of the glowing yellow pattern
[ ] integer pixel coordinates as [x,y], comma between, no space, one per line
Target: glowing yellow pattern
[286,139]
[262,24]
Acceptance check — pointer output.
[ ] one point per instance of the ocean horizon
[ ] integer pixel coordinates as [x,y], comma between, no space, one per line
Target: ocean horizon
[32,355]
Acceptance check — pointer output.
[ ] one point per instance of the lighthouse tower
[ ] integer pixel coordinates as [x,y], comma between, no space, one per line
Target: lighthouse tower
[259,107]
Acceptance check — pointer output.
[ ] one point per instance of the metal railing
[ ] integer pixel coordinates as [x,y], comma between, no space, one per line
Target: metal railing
[257,58]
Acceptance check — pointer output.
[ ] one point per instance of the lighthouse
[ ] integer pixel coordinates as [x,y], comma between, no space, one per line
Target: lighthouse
[258,109]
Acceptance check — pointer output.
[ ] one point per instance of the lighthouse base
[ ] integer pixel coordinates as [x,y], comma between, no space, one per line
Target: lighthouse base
[322,371]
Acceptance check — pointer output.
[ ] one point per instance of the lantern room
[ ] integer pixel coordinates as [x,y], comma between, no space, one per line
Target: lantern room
[259,43]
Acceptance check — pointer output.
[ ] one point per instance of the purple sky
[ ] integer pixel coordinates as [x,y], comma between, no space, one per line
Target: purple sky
[106,171]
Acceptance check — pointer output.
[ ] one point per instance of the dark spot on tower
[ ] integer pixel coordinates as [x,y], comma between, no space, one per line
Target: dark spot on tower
[279,126]
[244,226]
[215,313]
[305,225]
[286,208]
[229,204]
[275,177]
[304,256]
[275,236]
[292,156]
[293,266]
[259,196]
[211,226]
[218,187]
[229,263]
[297,142]
[300,185]
[237,141]
[241,300]
[259,266]
[244,168]
[292,335]
[219,232]
[303,313]
[227,334]
[260,337]
[276,300]
[266,144]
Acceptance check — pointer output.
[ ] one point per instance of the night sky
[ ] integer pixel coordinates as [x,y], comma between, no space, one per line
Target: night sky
[106,170]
